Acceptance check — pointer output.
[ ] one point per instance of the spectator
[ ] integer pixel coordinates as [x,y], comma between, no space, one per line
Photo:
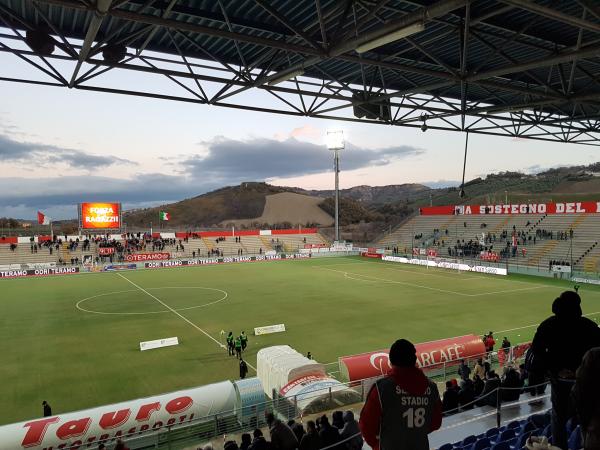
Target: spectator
[489,342]
[557,350]
[463,370]
[298,430]
[388,420]
[282,436]
[351,432]
[246,441]
[479,371]
[513,384]
[450,401]
[259,442]
[329,435]
[311,440]
[47,409]
[337,419]
[120,445]
[586,394]
[230,445]
[490,395]
[466,394]
[506,345]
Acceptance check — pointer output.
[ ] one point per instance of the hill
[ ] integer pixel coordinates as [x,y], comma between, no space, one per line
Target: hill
[261,204]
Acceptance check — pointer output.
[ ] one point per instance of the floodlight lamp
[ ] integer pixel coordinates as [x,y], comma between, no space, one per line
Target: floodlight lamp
[285,76]
[335,140]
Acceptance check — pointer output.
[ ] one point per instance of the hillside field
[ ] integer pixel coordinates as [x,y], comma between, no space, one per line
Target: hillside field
[74,340]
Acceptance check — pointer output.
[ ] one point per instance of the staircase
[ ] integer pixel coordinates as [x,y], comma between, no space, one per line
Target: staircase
[266,243]
[65,254]
[590,264]
[540,252]
[208,243]
[501,225]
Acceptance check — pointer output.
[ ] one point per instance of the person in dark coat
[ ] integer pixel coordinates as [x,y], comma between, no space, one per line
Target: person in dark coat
[243,369]
[557,350]
[246,441]
[464,371]
[282,436]
[466,395]
[337,419]
[513,384]
[259,442]
[311,440]
[586,393]
[489,395]
[351,432]
[329,435]
[450,399]
[47,409]
[298,430]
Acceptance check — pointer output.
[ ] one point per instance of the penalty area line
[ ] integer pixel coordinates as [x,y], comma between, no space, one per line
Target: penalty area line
[178,314]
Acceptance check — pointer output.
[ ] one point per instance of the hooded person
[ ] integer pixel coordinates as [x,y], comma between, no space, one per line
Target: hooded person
[282,436]
[351,432]
[402,408]
[586,393]
[556,352]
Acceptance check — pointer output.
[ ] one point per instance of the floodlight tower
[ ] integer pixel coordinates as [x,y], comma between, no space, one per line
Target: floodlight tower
[335,142]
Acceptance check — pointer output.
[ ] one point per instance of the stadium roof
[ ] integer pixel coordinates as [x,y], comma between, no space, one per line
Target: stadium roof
[520,68]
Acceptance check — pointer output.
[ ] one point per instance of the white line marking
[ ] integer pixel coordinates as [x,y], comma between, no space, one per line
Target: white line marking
[172,310]
[80,302]
[384,280]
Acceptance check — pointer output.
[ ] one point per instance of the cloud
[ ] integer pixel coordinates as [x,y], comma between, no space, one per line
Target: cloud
[228,160]
[30,152]
[58,196]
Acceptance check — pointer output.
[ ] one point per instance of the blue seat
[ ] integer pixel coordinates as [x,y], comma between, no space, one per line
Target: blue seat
[575,439]
[481,444]
[504,445]
[570,426]
[540,420]
[547,431]
[528,426]
[505,435]
[520,441]
[468,441]
[491,432]
[446,447]
[514,424]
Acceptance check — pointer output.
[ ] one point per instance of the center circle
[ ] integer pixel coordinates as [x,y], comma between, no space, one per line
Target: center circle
[80,304]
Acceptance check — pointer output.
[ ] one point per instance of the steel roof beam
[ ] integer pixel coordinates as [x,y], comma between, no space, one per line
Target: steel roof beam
[550,13]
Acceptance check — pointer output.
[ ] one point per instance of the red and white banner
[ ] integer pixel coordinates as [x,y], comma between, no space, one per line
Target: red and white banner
[322,245]
[519,208]
[432,252]
[87,428]
[106,251]
[154,256]
[489,256]
[429,355]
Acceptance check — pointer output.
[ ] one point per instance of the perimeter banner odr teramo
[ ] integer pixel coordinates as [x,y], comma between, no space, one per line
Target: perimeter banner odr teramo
[518,208]
[100,216]
[447,265]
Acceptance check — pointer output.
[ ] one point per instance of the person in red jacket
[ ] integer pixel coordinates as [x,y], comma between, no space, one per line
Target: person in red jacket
[403,407]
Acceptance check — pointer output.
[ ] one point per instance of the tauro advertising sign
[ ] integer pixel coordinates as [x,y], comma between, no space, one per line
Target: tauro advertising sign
[100,216]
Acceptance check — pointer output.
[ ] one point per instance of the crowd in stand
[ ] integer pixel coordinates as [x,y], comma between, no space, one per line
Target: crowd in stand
[342,433]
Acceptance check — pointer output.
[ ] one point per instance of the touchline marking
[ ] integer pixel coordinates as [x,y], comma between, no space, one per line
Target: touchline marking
[375,279]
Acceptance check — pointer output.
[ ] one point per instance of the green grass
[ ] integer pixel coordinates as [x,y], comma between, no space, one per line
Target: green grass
[51,350]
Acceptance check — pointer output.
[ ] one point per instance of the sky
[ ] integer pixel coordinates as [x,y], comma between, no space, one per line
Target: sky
[59,147]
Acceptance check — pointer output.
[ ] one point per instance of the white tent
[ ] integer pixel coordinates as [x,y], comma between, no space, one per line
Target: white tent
[279,365]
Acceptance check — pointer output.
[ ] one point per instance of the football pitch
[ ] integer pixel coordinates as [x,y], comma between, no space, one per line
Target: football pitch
[74,340]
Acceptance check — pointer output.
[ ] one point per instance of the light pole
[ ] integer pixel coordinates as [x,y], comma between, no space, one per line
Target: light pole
[335,142]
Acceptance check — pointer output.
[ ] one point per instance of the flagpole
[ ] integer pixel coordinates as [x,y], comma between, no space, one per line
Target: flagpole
[150,229]
[51,232]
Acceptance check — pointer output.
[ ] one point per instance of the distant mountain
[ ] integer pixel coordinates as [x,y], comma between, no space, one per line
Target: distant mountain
[372,204]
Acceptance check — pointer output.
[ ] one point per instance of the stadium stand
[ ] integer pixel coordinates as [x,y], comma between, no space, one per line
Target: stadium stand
[442,232]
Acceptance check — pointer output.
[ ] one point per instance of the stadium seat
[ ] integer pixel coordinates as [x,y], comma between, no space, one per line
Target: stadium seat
[468,441]
[514,424]
[520,441]
[540,420]
[504,445]
[547,431]
[505,435]
[491,432]
[446,447]
[527,426]
[575,439]
[481,444]
[570,426]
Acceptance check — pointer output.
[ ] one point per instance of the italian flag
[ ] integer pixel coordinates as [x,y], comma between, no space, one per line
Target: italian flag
[163,215]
